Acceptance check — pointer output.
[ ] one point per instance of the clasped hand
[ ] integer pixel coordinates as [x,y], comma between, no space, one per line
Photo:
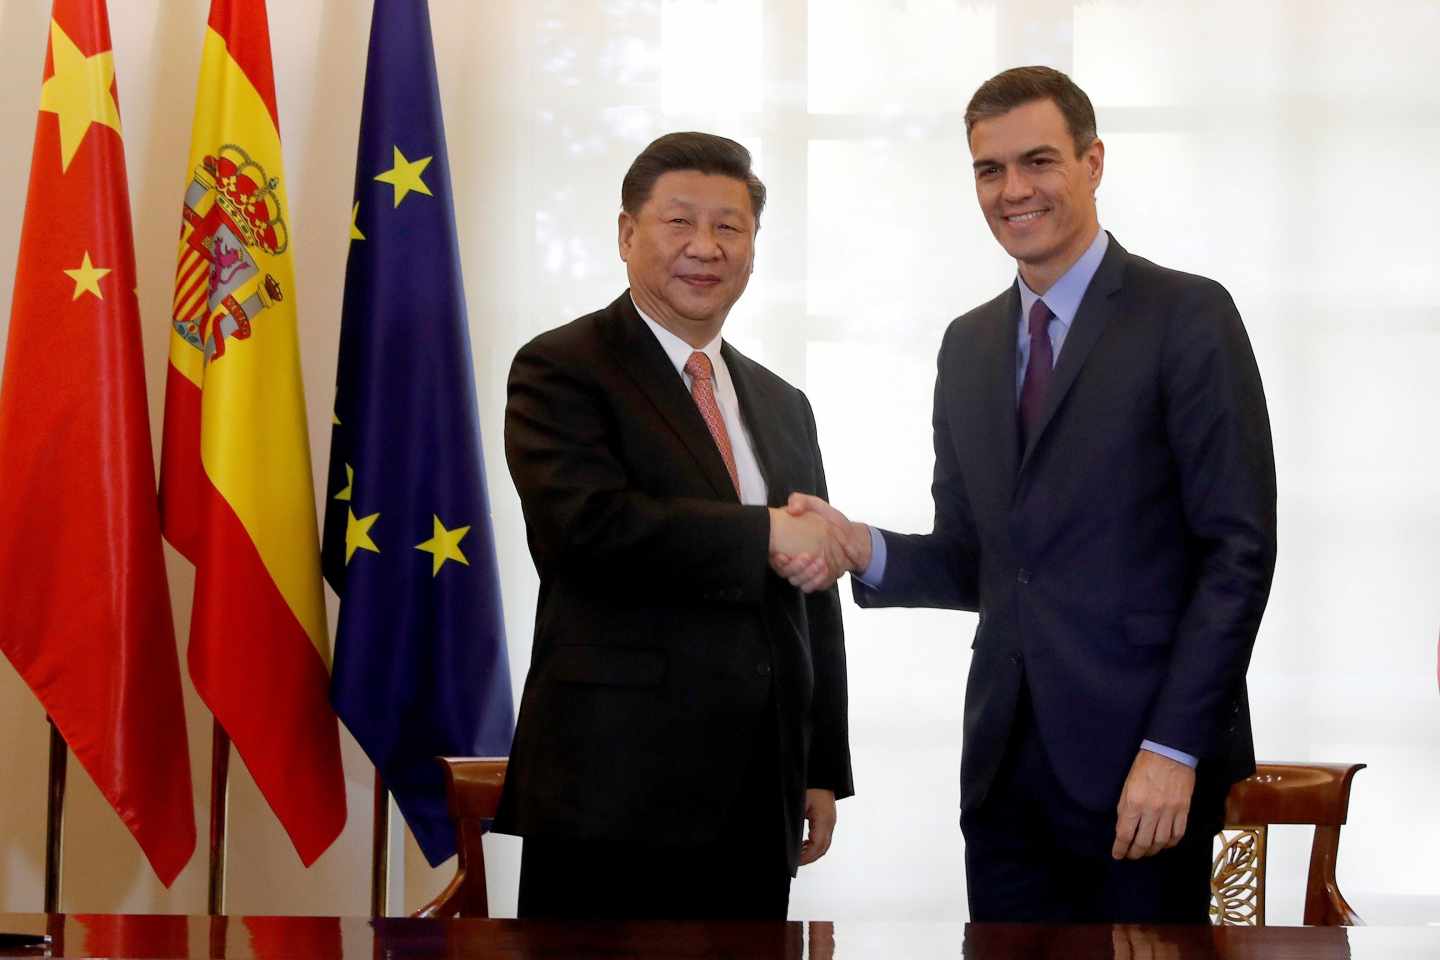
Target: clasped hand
[812,544]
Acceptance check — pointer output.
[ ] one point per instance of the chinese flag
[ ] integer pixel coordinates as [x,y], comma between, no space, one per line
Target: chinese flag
[237,497]
[84,607]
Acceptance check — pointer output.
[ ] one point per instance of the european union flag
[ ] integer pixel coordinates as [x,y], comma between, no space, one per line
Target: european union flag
[420,662]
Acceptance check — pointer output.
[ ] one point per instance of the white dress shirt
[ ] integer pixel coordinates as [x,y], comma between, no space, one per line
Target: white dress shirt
[752,482]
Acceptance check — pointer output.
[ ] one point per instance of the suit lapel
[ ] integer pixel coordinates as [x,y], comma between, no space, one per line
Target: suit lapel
[1090,322]
[750,392]
[996,355]
[645,361]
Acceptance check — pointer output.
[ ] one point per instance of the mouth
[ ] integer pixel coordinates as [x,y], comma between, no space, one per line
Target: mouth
[1029,216]
[699,280]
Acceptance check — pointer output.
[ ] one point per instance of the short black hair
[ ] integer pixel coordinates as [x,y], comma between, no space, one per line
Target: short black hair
[1021,85]
[703,152]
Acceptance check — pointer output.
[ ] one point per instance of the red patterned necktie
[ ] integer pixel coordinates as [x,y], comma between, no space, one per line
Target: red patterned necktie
[702,389]
[1037,372]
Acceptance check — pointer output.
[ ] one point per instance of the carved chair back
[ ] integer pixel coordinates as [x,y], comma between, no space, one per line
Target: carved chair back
[1286,793]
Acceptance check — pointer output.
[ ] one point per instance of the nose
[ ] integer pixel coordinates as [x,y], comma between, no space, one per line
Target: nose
[704,244]
[1017,186]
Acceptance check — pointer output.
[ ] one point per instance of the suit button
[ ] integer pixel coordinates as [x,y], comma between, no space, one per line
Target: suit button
[763,669]
[1022,576]
[1016,659]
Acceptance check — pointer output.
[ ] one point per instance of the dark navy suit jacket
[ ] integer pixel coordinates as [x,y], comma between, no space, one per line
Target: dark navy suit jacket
[1121,562]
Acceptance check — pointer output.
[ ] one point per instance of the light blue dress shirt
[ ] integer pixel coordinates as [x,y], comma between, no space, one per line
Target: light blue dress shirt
[1063,298]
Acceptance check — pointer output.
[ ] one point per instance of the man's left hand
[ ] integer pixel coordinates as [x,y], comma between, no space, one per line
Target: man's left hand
[1154,805]
[820,820]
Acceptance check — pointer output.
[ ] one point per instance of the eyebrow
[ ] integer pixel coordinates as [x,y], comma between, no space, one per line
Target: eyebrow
[691,205]
[1042,150]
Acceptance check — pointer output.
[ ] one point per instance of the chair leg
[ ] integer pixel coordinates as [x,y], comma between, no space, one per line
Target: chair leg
[1325,905]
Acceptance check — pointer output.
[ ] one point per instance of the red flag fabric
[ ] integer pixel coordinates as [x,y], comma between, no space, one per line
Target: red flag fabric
[84,606]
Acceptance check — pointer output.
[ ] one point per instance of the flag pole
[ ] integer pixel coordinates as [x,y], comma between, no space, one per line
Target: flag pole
[219,816]
[380,852]
[55,818]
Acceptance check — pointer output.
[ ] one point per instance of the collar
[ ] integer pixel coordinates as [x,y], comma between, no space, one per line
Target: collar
[676,349]
[1064,297]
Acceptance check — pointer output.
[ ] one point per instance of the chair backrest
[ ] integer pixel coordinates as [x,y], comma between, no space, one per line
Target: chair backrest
[1286,793]
[472,787]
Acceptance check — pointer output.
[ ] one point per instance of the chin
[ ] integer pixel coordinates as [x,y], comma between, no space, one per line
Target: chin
[1024,252]
[692,312]
[1036,250]
[701,305]
[1017,247]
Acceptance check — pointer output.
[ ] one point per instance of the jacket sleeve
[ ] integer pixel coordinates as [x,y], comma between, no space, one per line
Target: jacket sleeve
[829,764]
[581,510]
[1219,433]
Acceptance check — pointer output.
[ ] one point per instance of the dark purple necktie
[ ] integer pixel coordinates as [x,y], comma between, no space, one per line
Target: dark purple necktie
[1037,372]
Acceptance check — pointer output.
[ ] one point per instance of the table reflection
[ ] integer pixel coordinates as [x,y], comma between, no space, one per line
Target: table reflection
[401,938]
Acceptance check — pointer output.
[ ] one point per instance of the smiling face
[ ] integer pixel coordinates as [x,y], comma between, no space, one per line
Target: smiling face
[1037,194]
[689,251]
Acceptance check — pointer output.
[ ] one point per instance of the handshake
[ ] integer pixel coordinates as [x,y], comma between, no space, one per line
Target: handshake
[812,544]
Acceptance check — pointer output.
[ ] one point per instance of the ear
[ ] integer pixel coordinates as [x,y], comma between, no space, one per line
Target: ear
[1094,160]
[626,235]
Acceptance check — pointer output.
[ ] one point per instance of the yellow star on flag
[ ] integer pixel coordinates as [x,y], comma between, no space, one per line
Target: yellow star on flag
[349,483]
[78,92]
[444,545]
[357,534]
[405,176]
[355,233]
[87,278]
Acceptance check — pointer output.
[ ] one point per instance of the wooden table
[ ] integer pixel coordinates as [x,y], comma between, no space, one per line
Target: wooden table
[397,938]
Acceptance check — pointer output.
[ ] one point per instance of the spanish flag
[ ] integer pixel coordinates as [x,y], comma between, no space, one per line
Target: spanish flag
[84,607]
[236,492]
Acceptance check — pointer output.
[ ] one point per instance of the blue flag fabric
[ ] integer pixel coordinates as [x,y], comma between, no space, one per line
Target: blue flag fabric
[420,663]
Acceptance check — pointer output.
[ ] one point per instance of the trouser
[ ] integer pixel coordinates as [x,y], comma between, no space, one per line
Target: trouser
[1032,854]
[742,874]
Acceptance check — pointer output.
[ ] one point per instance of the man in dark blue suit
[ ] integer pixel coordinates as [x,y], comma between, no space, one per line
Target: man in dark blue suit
[1104,494]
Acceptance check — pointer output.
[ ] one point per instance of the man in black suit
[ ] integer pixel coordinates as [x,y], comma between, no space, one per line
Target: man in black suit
[1104,494]
[685,710]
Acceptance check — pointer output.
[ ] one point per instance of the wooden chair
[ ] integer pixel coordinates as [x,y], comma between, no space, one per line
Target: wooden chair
[1289,793]
[472,787]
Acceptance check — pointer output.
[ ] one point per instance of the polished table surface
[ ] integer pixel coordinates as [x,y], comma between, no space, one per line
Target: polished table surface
[331,938]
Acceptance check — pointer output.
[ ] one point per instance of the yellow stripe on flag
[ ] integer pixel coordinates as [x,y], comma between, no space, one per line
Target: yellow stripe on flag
[254,444]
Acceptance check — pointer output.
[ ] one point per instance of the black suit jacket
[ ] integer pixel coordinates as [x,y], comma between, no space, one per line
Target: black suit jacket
[664,645]
[1121,561]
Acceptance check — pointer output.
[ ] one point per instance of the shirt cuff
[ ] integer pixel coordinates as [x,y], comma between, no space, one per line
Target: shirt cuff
[875,572]
[1179,756]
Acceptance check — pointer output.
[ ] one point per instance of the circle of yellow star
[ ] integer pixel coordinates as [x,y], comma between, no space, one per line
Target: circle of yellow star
[357,534]
[87,278]
[355,233]
[444,545]
[405,176]
[78,92]
[349,484]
